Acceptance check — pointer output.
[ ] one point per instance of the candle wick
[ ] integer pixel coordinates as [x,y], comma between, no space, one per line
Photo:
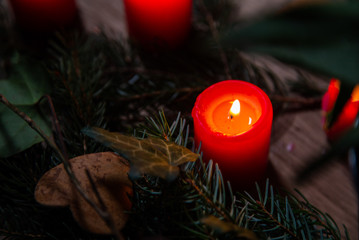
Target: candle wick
[231,116]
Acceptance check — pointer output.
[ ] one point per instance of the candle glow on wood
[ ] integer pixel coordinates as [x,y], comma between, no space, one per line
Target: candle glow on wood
[232,121]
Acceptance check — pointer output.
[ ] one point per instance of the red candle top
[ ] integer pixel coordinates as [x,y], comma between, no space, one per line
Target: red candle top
[213,109]
[158,22]
[44,15]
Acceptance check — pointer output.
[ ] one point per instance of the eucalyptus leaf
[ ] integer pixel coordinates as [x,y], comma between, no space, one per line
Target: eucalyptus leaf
[151,156]
[321,38]
[27,82]
[339,60]
[15,134]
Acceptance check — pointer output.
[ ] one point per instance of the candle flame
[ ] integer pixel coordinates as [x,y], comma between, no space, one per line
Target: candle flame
[355,94]
[236,108]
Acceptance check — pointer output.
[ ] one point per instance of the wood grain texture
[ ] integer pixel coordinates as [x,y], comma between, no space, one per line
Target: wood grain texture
[331,189]
[105,15]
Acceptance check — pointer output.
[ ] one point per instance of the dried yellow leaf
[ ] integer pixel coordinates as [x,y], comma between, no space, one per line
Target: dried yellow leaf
[152,156]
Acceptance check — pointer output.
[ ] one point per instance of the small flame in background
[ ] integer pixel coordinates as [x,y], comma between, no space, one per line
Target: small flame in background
[355,94]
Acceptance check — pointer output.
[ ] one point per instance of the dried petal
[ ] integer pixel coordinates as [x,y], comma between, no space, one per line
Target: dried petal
[110,175]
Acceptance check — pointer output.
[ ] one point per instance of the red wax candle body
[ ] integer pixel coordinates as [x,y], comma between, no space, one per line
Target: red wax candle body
[44,15]
[165,23]
[239,143]
[346,118]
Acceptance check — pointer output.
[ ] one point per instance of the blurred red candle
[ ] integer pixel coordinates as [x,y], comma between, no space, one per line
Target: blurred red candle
[164,23]
[346,119]
[44,15]
[233,121]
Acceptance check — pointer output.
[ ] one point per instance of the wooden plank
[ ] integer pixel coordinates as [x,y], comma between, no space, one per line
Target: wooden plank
[331,189]
[105,15]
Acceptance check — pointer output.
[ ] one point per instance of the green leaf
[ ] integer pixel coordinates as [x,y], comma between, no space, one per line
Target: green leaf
[223,227]
[27,82]
[339,60]
[151,156]
[15,134]
[321,38]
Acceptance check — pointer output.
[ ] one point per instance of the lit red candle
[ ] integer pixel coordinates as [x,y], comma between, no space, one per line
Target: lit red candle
[164,23]
[346,118]
[44,15]
[233,121]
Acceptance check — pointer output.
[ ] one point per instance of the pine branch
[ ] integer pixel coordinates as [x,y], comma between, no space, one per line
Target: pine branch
[273,212]
[271,216]
[18,209]
[208,200]
[4,232]
[57,126]
[142,70]
[276,221]
[67,165]
[79,85]
[318,215]
[215,36]
[177,132]
[161,93]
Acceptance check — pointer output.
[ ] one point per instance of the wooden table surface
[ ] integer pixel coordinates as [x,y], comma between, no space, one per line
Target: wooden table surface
[331,190]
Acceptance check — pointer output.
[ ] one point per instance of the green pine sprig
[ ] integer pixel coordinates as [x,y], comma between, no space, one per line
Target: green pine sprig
[210,210]
[77,70]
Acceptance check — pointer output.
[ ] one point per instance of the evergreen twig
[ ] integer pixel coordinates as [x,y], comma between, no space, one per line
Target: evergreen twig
[215,36]
[67,165]
[57,126]
[209,201]
[161,92]
[276,221]
[23,235]
[271,216]
[76,68]
[310,209]
[143,70]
